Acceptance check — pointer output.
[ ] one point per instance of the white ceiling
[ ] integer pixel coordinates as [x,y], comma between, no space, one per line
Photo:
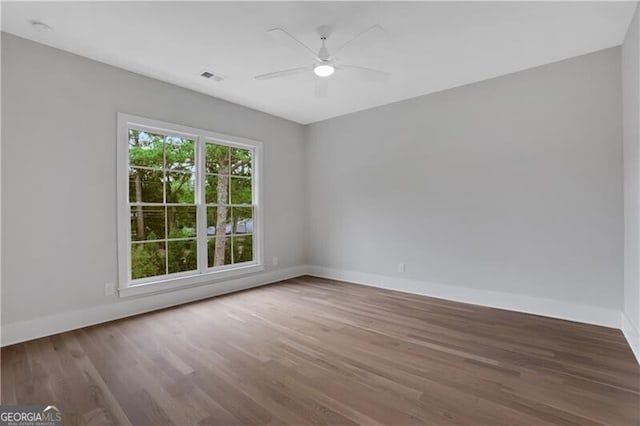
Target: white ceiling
[430,46]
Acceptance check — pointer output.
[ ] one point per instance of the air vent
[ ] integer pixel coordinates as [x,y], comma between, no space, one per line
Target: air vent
[212,76]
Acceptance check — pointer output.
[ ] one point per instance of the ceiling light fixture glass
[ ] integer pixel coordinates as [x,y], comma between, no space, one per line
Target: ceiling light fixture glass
[324,70]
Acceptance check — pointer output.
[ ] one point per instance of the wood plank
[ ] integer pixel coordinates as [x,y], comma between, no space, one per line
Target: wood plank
[317,351]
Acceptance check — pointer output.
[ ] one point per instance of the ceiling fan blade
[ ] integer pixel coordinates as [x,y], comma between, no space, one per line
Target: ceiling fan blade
[283,73]
[290,40]
[365,73]
[322,87]
[364,38]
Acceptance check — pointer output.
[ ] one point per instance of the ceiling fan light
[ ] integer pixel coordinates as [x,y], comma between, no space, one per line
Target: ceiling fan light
[324,70]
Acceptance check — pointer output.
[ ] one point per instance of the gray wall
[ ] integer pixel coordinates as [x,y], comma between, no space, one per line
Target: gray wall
[59,173]
[631,100]
[513,184]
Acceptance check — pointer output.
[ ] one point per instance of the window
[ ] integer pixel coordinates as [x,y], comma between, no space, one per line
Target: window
[188,202]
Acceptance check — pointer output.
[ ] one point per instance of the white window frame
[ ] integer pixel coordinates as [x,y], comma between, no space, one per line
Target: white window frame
[203,274]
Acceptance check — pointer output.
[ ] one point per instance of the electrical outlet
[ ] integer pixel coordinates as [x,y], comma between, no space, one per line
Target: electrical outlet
[109,289]
[401,267]
[274,261]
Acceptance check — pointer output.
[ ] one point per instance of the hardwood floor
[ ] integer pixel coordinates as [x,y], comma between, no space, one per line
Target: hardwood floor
[315,351]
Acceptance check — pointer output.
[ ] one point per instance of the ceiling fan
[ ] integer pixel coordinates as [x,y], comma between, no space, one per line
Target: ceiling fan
[324,63]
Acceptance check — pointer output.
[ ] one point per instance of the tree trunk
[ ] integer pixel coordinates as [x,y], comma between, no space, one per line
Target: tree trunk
[221,220]
[139,215]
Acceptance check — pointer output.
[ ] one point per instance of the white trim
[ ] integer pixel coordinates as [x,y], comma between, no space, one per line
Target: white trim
[45,326]
[203,273]
[176,281]
[179,130]
[632,335]
[509,301]
[201,219]
[122,226]
[258,200]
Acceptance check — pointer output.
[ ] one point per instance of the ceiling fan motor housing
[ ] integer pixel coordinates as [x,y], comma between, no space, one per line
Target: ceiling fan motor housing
[323,54]
[324,31]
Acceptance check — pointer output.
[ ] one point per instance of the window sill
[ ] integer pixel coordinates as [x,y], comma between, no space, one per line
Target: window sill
[172,284]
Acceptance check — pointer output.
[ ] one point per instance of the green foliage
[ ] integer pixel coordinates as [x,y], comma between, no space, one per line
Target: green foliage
[147,223]
[243,249]
[162,170]
[216,158]
[157,151]
[145,185]
[146,149]
[182,255]
[147,260]
[182,221]
[180,154]
[240,162]
[176,155]
[180,188]
[240,191]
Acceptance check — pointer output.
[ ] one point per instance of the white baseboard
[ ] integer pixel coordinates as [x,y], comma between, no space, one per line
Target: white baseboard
[46,326]
[509,301]
[632,335]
